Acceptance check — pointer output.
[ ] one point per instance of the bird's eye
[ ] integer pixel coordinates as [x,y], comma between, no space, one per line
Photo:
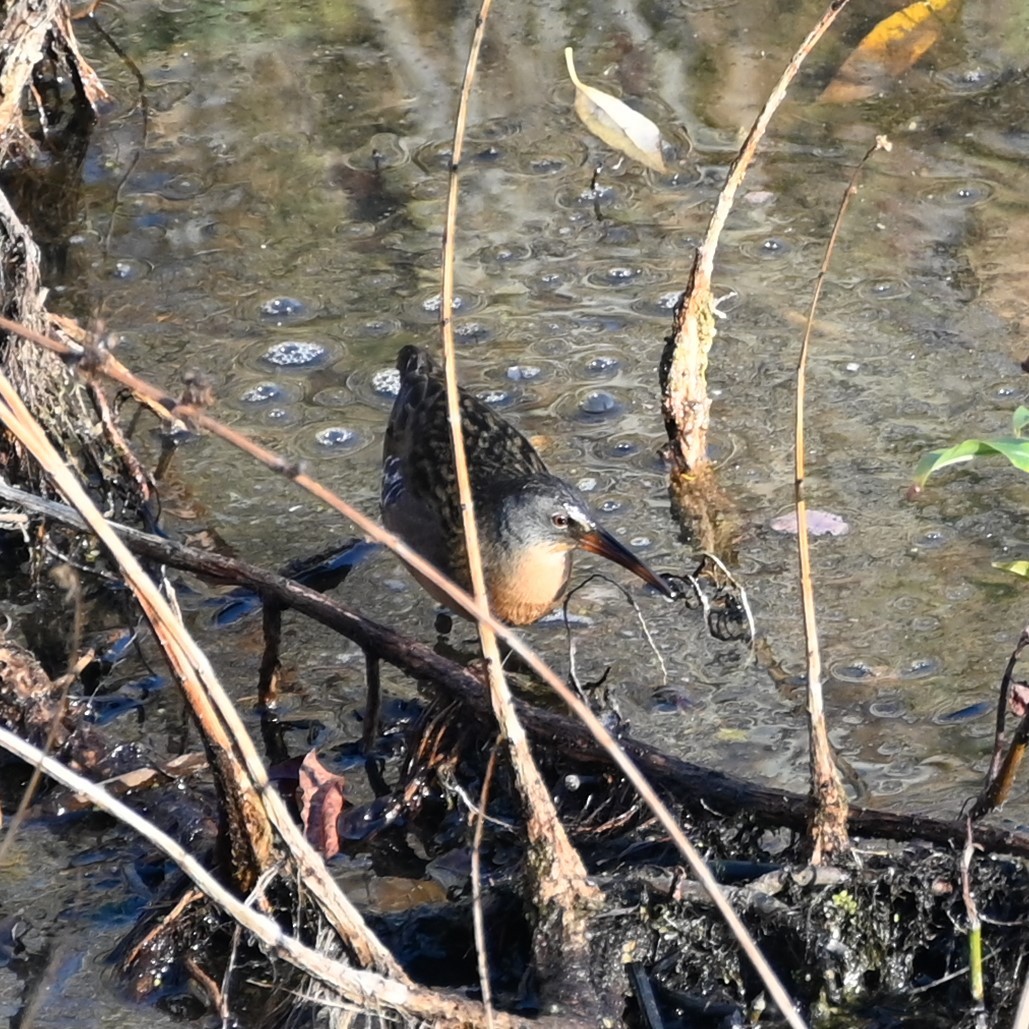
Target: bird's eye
[560,519]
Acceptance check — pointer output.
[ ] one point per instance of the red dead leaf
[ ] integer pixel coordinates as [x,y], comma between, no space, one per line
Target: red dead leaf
[321,803]
[1018,700]
[819,523]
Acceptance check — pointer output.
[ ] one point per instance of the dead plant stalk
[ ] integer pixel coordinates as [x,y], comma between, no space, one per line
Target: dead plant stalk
[1004,765]
[557,874]
[685,399]
[829,821]
[478,921]
[241,771]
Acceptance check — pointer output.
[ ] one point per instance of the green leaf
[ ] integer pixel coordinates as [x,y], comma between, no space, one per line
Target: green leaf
[1016,450]
[1015,567]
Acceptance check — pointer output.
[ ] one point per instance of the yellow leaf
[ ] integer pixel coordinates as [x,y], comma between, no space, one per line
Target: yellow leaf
[889,50]
[1015,567]
[727,735]
[616,123]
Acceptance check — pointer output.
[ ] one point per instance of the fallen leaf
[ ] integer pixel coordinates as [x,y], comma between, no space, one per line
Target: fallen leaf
[896,44]
[389,894]
[1018,698]
[1020,567]
[321,803]
[138,779]
[819,523]
[185,764]
[616,123]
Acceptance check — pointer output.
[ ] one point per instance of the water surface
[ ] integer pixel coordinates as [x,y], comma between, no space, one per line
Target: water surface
[280,231]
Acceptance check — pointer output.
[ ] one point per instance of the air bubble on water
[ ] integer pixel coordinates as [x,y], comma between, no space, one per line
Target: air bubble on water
[261,393]
[336,436]
[294,353]
[598,402]
[386,382]
[433,303]
[523,372]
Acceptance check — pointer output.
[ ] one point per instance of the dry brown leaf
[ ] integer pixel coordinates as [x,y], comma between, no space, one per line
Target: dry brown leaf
[889,50]
[185,764]
[389,894]
[321,804]
[134,780]
[616,123]
[137,779]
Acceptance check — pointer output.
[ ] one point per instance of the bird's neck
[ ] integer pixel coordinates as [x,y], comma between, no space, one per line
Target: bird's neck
[525,584]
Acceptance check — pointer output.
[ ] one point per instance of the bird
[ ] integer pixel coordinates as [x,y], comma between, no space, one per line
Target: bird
[529,521]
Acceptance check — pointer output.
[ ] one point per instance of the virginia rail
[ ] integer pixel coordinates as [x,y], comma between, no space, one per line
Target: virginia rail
[529,521]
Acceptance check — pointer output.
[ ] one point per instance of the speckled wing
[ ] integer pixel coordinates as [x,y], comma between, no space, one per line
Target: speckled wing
[419,488]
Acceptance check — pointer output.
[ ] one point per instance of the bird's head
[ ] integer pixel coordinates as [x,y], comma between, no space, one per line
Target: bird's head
[545,512]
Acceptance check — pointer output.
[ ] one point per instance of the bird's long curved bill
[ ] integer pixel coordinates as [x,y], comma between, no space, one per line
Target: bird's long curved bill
[600,541]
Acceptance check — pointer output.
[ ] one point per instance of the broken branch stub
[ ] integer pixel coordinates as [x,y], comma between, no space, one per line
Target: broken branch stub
[685,402]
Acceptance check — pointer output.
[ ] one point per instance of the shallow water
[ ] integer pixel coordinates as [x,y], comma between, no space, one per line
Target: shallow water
[298,153]
[280,232]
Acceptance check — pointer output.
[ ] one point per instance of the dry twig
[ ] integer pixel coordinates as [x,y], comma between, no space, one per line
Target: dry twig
[564,897]
[829,821]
